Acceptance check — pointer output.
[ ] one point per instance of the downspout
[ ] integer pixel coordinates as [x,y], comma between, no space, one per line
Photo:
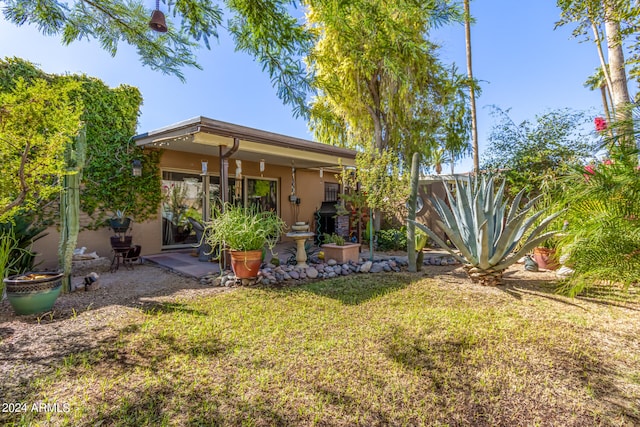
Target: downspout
[224,187]
[224,169]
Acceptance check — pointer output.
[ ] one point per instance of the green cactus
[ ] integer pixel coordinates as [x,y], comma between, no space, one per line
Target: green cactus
[484,231]
[411,220]
[75,157]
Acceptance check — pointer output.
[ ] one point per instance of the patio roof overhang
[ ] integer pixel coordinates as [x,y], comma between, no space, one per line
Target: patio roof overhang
[205,136]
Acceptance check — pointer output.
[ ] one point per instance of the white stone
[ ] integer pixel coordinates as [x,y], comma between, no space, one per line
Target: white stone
[366,267]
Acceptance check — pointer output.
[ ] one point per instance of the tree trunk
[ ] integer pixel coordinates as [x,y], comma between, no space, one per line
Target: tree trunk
[619,90]
[472,94]
[484,277]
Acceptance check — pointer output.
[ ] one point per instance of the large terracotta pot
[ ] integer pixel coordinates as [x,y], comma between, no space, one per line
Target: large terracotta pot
[246,264]
[546,258]
[32,293]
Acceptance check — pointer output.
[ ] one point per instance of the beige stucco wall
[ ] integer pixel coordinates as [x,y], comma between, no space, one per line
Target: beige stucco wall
[309,188]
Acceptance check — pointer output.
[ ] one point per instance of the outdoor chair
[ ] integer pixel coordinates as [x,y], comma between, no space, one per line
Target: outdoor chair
[132,256]
[203,249]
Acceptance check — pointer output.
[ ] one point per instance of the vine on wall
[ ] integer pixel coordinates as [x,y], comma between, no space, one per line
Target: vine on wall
[110,116]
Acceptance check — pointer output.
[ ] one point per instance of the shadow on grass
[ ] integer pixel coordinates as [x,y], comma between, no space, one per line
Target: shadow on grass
[453,376]
[158,308]
[356,289]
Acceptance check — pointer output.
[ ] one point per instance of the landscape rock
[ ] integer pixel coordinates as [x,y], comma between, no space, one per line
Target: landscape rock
[376,268]
[366,267]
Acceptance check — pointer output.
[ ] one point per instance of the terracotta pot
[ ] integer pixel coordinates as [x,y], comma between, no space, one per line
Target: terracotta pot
[246,264]
[546,258]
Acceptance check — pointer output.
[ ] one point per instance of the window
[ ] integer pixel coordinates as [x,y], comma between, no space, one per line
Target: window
[182,199]
[331,191]
[263,194]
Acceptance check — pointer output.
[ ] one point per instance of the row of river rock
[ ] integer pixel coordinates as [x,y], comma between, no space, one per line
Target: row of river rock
[271,274]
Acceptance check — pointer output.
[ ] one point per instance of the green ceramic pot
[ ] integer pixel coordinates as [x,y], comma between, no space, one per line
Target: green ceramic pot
[32,293]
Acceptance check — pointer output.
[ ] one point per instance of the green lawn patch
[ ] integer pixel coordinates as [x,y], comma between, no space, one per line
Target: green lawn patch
[374,350]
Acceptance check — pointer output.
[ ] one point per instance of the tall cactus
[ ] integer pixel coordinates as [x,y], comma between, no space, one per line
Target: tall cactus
[487,240]
[75,157]
[413,201]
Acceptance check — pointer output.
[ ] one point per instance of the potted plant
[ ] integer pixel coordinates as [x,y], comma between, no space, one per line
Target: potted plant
[245,232]
[120,223]
[335,247]
[545,255]
[28,293]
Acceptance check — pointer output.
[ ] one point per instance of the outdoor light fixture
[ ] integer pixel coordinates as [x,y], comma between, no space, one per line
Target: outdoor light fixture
[136,168]
[157,22]
[261,165]
[238,169]
[204,167]
[321,172]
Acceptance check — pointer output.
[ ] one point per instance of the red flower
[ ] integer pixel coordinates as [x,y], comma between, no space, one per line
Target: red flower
[590,171]
[607,162]
[601,124]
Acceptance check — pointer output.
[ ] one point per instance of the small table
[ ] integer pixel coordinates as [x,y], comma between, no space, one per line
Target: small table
[119,253]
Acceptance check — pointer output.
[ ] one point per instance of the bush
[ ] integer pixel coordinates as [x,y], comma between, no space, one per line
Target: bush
[392,239]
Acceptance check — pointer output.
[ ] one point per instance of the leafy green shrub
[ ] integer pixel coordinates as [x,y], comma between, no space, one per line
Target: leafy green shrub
[392,239]
[243,229]
[333,238]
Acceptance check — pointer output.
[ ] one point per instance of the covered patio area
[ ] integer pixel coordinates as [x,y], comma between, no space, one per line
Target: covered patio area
[206,163]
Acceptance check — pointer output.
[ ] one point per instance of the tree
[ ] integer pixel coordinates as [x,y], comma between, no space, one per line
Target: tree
[265,29]
[620,21]
[472,94]
[602,238]
[534,153]
[456,125]
[110,117]
[37,122]
[379,82]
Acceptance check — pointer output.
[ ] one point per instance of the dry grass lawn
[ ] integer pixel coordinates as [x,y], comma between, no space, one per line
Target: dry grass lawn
[370,350]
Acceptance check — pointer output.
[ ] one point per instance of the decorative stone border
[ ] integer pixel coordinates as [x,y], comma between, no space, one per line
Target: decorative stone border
[272,275]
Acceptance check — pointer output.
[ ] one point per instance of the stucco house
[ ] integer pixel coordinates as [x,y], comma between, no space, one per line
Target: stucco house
[204,162]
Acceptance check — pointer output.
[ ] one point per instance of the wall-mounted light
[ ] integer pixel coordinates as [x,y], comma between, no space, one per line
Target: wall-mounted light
[261,166]
[238,169]
[204,166]
[321,172]
[136,168]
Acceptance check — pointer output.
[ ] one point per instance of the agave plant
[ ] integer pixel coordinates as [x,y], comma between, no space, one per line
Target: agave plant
[485,231]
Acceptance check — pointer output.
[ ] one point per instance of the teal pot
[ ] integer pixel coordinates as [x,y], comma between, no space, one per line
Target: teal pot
[32,293]
[119,225]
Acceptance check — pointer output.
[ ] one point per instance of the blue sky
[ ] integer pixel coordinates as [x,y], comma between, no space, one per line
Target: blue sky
[521,61]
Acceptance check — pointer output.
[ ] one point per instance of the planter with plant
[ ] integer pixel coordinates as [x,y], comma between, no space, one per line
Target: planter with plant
[335,247]
[120,222]
[245,232]
[545,256]
[486,233]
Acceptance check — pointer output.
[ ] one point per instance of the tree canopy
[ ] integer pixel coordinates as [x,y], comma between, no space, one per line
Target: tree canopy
[531,153]
[110,118]
[265,29]
[37,122]
[380,84]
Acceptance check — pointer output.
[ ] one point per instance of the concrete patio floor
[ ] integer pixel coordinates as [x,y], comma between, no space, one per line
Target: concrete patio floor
[182,262]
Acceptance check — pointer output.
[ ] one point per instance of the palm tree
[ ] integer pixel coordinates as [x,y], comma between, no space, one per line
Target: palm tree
[472,96]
